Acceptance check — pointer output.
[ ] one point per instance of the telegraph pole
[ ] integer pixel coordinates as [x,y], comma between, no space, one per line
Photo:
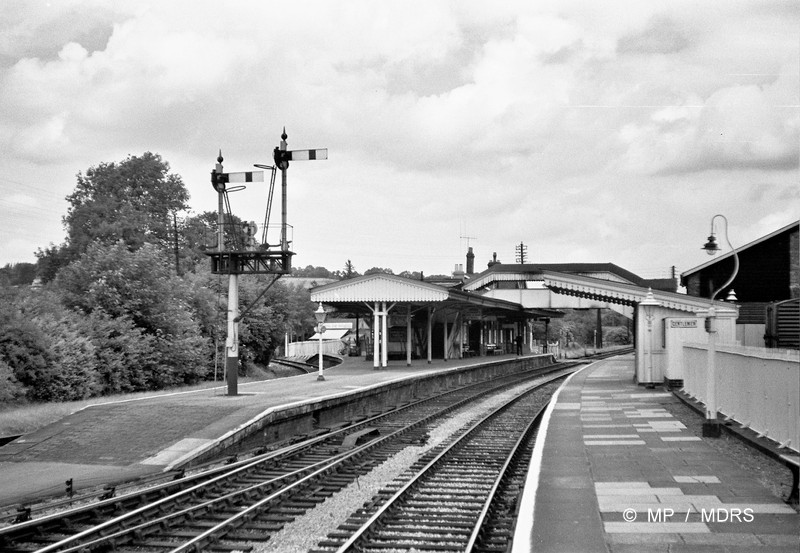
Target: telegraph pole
[522,251]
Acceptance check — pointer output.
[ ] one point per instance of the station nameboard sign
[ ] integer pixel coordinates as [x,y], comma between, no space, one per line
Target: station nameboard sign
[683,323]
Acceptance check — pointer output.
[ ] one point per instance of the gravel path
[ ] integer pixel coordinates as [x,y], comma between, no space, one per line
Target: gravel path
[305,531]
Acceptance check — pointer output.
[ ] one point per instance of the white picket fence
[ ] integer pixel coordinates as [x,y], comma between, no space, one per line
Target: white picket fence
[757,387]
[311,347]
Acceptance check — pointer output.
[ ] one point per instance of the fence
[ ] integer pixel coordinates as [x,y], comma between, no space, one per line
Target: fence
[311,347]
[757,387]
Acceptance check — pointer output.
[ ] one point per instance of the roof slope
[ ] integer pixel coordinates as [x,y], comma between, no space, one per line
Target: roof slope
[726,255]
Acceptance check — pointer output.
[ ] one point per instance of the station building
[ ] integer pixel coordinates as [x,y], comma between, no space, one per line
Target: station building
[486,313]
[766,286]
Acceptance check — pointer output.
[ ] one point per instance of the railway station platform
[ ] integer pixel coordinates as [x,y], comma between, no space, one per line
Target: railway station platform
[120,441]
[617,472]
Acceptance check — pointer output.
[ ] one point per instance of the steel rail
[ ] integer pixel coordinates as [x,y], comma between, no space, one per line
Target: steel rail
[114,503]
[408,487]
[318,468]
[216,532]
[532,426]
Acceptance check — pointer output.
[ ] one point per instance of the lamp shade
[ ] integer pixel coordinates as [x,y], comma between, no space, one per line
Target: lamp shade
[320,314]
[649,303]
[711,247]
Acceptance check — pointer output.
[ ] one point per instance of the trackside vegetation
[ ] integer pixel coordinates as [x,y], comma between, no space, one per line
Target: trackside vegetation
[127,303]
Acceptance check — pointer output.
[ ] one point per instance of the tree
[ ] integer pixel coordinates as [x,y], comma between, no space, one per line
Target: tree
[198,234]
[51,259]
[132,201]
[309,271]
[414,275]
[349,270]
[16,274]
[23,349]
[377,270]
[140,286]
[10,388]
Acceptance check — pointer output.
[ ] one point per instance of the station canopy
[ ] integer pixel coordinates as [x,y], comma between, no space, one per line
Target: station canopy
[358,295]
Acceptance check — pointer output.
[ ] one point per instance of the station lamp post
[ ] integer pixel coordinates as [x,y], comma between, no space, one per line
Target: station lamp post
[711,428]
[320,316]
[649,304]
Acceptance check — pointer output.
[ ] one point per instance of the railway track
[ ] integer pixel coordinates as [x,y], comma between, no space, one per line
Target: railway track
[247,500]
[462,499]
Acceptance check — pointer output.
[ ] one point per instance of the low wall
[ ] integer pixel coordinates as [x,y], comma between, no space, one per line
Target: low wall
[757,387]
[305,417]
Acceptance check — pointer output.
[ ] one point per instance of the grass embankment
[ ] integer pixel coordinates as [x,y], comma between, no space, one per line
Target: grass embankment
[16,419]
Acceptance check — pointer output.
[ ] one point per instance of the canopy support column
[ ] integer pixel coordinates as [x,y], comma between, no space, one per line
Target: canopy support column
[446,337]
[408,336]
[376,337]
[430,334]
[385,337]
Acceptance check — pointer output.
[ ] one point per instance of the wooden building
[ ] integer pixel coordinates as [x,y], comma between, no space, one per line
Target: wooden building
[769,272]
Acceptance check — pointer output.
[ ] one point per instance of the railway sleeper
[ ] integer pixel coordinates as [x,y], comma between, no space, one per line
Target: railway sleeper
[218,516]
[288,510]
[466,506]
[453,494]
[414,534]
[425,512]
[243,535]
[18,550]
[415,544]
[263,526]
[429,522]
[201,524]
[178,534]
[274,517]
[40,539]
[304,503]
[160,544]
[221,546]
[439,534]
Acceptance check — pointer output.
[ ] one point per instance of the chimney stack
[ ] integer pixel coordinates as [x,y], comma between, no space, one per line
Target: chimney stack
[470,261]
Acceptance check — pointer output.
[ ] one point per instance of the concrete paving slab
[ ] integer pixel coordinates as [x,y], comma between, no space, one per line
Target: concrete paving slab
[656,482]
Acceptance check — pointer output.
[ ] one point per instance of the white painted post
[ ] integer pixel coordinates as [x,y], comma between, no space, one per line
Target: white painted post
[408,336]
[711,388]
[430,335]
[385,344]
[376,344]
[446,337]
[232,342]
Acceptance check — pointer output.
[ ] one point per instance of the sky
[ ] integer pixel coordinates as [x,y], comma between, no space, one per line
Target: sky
[588,131]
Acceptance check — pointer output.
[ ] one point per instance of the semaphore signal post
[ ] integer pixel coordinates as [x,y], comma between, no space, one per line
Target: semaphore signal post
[239,251]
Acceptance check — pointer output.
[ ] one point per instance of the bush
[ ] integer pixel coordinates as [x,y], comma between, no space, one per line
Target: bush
[10,388]
[139,287]
[23,348]
[71,371]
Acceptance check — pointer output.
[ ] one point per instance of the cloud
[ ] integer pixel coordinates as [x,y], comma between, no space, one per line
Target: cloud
[549,122]
[663,35]
[736,127]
